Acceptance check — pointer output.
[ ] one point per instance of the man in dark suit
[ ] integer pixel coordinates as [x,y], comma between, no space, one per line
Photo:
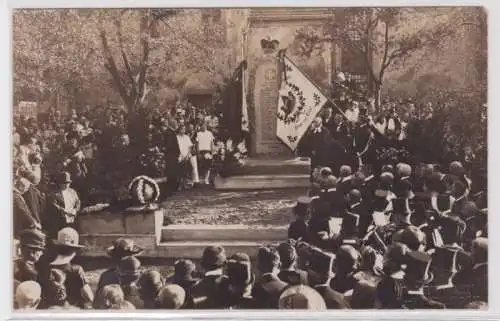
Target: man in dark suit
[64,206]
[23,217]
[315,143]
[268,288]
[477,274]
[172,153]
[206,293]
[319,276]
[417,275]
[289,272]
[299,228]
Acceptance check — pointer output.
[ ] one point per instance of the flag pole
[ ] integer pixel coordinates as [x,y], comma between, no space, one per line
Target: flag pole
[282,55]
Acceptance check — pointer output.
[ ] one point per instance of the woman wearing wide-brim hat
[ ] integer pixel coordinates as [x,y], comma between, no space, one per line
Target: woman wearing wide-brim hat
[66,246]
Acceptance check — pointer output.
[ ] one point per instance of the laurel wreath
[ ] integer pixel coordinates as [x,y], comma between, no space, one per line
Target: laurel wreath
[141,180]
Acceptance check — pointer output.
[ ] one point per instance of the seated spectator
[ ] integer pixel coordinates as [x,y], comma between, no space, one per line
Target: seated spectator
[171,297]
[23,217]
[319,277]
[55,291]
[184,276]
[289,272]
[301,297]
[150,283]
[32,247]
[346,265]
[268,287]
[206,293]
[390,294]
[238,285]
[78,289]
[113,296]
[120,248]
[129,270]
[417,275]
[28,296]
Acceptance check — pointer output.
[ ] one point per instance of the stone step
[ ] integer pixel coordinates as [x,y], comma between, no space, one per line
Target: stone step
[252,182]
[221,233]
[273,166]
[194,250]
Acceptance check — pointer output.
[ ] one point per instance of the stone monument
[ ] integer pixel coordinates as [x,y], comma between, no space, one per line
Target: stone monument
[269,31]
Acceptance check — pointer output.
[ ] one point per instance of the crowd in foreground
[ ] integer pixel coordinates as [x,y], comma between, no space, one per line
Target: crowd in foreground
[397,238]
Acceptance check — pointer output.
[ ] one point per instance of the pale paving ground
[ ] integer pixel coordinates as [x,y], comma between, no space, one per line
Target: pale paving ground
[254,208]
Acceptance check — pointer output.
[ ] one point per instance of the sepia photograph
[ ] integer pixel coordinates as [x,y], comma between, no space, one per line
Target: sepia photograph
[249,158]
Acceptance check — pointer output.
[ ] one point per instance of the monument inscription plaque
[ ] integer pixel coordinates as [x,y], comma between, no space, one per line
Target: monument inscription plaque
[266,102]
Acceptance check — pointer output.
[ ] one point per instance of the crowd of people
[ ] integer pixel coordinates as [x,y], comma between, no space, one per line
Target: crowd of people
[400,239]
[394,235]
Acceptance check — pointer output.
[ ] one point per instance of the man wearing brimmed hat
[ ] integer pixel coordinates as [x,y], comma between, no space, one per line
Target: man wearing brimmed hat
[120,248]
[207,292]
[64,205]
[184,271]
[417,275]
[129,270]
[32,248]
[268,287]
[299,228]
[66,246]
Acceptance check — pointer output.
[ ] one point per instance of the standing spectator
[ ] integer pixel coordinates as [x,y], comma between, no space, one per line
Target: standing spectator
[63,206]
[186,151]
[299,229]
[23,218]
[205,147]
[268,288]
[172,154]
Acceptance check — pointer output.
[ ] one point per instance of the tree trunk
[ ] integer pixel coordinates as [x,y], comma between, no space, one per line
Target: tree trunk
[377,90]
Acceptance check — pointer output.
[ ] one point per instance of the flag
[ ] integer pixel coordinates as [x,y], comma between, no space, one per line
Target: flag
[299,102]
[244,107]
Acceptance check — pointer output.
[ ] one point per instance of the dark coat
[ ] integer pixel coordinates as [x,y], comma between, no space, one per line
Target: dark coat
[421,302]
[110,276]
[295,277]
[315,145]
[23,218]
[36,202]
[267,291]
[171,146]
[299,229]
[207,293]
[333,299]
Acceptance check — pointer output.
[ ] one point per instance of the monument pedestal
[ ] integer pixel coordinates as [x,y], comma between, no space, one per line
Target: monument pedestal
[262,173]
